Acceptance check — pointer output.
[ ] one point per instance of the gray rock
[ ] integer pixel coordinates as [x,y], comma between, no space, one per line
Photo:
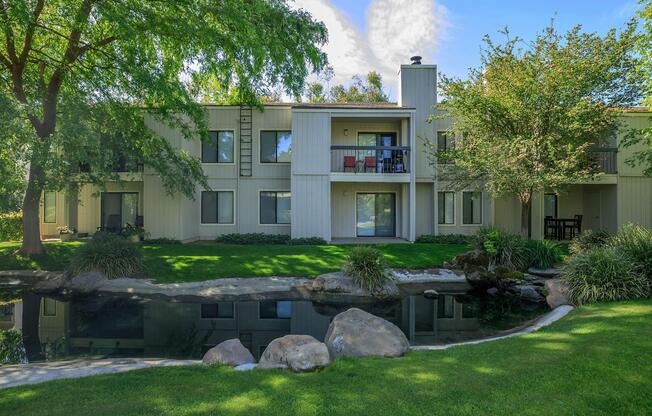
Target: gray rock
[548,273]
[431,294]
[87,282]
[557,293]
[492,291]
[296,352]
[230,352]
[528,293]
[340,283]
[472,258]
[356,333]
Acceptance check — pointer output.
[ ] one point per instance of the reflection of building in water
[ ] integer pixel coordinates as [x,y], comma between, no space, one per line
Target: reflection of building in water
[122,326]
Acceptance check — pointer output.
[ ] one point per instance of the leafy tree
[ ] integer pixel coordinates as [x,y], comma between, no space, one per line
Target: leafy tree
[637,137]
[529,114]
[369,90]
[77,75]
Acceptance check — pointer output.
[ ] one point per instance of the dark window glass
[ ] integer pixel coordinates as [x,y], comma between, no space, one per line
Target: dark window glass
[424,314]
[446,207]
[49,307]
[275,146]
[445,307]
[218,148]
[222,310]
[270,309]
[275,207]
[217,207]
[550,205]
[472,207]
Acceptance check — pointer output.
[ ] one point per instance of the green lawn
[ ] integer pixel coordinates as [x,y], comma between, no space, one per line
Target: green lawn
[596,361]
[193,262]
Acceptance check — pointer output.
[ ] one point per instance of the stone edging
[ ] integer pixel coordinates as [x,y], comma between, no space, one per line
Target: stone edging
[546,320]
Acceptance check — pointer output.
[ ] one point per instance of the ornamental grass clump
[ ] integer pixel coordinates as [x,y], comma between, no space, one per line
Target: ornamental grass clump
[603,274]
[366,266]
[635,242]
[588,240]
[505,249]
[543,254]
[108,253]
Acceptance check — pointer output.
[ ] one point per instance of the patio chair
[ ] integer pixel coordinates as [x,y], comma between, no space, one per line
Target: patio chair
[574,227]
[370,163]
[349,163]
[551,228]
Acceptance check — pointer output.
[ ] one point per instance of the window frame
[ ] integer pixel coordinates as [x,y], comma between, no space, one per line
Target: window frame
[276,302]
[260,206]
[217,149]
[45,221]
[481,209]
[446,224]
[441,299]
[44,308]
[260,146]
[122,194]
[556,215]
[233,310]
[201,207]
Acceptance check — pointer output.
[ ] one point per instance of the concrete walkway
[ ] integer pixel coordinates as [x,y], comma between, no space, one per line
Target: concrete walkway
[21,374]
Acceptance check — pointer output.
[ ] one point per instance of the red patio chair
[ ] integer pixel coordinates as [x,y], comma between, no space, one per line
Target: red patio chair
[369,163]
[349,163]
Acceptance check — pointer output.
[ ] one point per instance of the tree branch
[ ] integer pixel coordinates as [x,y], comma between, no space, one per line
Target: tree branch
[9,34]
[29,34]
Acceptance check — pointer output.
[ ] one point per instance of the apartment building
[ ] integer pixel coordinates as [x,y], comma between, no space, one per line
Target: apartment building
[343,172]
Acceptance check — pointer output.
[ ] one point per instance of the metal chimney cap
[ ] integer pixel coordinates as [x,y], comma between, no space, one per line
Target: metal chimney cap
[416,60]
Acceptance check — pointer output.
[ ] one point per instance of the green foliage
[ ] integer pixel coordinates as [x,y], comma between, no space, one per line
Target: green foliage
[253,238]
[11,226]
[530,113]
[603,274]
[588,240]
[109,253]
[12,170]
[366,266]
[505,249]
[446,239]
[361,91]
[543,254]
[12,350]
[635,242]
[307,241]
[156,241]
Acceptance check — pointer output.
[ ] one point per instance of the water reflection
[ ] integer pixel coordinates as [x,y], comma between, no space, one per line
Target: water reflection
[118,326]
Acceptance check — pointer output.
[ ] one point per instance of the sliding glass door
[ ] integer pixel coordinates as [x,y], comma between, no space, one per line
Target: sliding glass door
[119,209]
[376,215]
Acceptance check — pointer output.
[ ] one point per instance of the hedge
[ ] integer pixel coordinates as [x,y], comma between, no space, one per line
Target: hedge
[11,226]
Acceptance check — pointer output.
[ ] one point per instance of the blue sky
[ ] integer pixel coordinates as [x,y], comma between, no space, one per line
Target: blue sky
[381,34]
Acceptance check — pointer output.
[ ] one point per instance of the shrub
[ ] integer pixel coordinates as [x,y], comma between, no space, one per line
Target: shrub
[111,254]
[505,249]
[588,240]
[12,350]
[11,226]
[446,239]
[635,242]
[603,274]
[161,241]
[543,253]
[307,241]
[366,266]
[253,238]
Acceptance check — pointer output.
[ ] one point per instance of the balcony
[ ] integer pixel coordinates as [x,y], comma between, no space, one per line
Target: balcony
[605,157]
[369,160]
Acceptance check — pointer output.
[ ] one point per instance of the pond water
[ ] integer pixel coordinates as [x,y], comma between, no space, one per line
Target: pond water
[120,326]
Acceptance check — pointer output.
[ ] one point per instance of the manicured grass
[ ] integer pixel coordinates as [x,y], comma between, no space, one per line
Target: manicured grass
[193,262]
[596,361]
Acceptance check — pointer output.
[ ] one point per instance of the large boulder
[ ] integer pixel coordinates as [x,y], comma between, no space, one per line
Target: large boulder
[296,352]
[557,293]
[356,333]
[339,283]
[87,282]
[472,258]
[528,293]
[230,352]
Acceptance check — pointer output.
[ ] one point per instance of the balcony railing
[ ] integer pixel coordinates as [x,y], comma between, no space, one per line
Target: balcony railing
[370,159]
[605,157]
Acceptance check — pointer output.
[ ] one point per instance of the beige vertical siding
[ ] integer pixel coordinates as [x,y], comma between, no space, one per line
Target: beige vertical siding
[417,89]
[635,201]
[425,201]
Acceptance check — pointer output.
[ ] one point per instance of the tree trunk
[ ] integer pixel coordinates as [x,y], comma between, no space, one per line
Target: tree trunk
[526,218]
[31,207]
[31,314]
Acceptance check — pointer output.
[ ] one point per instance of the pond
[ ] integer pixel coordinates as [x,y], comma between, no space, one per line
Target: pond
[108,326]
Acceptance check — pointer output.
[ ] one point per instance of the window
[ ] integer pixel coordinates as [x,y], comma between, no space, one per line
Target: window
[275,146]
[50,207]
[218,148]
[275,309]
[550,205]
[49,307]
[274,207]
[220,310]
[217,207]
[118,209]
[446,207]
[472,207]
[445,141]
[445,307]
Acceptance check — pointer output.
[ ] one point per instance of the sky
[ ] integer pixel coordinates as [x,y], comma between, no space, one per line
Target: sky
[380,35]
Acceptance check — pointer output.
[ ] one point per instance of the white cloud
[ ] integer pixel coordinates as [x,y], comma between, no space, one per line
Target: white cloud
[395,31]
